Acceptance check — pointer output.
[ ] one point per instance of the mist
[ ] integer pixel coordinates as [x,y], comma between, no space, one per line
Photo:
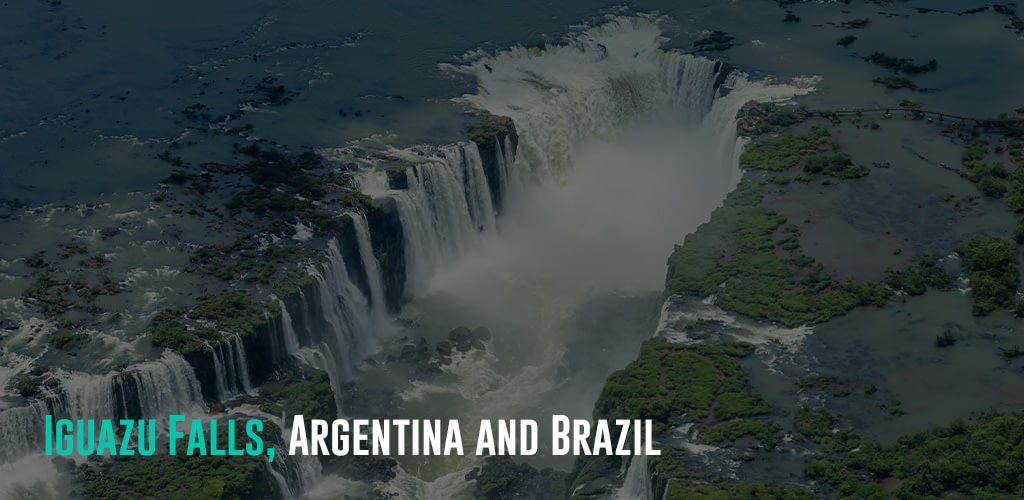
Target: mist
[623,150]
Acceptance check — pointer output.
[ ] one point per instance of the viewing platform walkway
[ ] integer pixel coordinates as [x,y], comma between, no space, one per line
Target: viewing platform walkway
[917,113]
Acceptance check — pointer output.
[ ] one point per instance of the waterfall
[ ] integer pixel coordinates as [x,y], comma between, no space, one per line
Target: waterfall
[291,339]
[600,82]
[243,363]
[509,184]
[351,330]
[228,356]
[563,99]
[637,483]
[282,483]
[230,366]
[465,162]
[443,212]
[151,389]
[21,430]
[165,385]
[219,376]
[370,265]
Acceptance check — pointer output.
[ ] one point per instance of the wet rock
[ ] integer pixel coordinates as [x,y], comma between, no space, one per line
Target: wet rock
[398,178]
[416,352]
[463,339]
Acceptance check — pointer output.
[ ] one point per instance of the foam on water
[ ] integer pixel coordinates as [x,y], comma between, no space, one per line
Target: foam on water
[624,148]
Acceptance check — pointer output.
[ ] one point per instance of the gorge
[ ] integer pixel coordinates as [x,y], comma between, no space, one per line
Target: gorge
[485,236]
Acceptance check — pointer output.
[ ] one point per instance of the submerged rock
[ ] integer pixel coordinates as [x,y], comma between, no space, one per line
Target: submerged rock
[463,339]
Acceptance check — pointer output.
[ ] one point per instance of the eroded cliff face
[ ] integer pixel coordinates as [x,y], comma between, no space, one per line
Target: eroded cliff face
[497,140]
[266,346]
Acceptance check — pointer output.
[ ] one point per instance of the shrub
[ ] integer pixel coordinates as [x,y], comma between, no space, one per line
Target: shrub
[946,339]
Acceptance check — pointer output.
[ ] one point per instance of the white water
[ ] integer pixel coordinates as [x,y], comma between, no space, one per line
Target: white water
[370,265]
[341,327]
[346,311]
[464,160]
[291,339]
[151,389]
[624,149]
[436,223]
[637,483]
[231,368]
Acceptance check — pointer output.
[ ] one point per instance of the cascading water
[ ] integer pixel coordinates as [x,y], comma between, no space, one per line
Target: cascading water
[346,312]
[339,326]
[370,265]
[146,390]
[623,149]
[637,483]
[231,368]
[444,212]
[464,160]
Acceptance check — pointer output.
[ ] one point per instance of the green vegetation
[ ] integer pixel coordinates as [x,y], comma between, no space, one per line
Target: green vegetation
[671,383]
[833,384]
[900,64]
[1015,198]
[767,433]
[784,151]
[836,165]
[736,248]
[814,423]
[292,283]
[757,118]
[488,128]
[916,280]
[312,398]
[227,264]
[66,339]
[199,477]
[69,249]
[842,441]
[991,178]
[667,380]
[946,339]
[896,83]
[973,459]
[168,332]
[28,386]
[846,41]
[679,490]
[36,260]
[991,266]
[232,311]
[1018,231]
[671,480]
[789,238]
[283,186]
